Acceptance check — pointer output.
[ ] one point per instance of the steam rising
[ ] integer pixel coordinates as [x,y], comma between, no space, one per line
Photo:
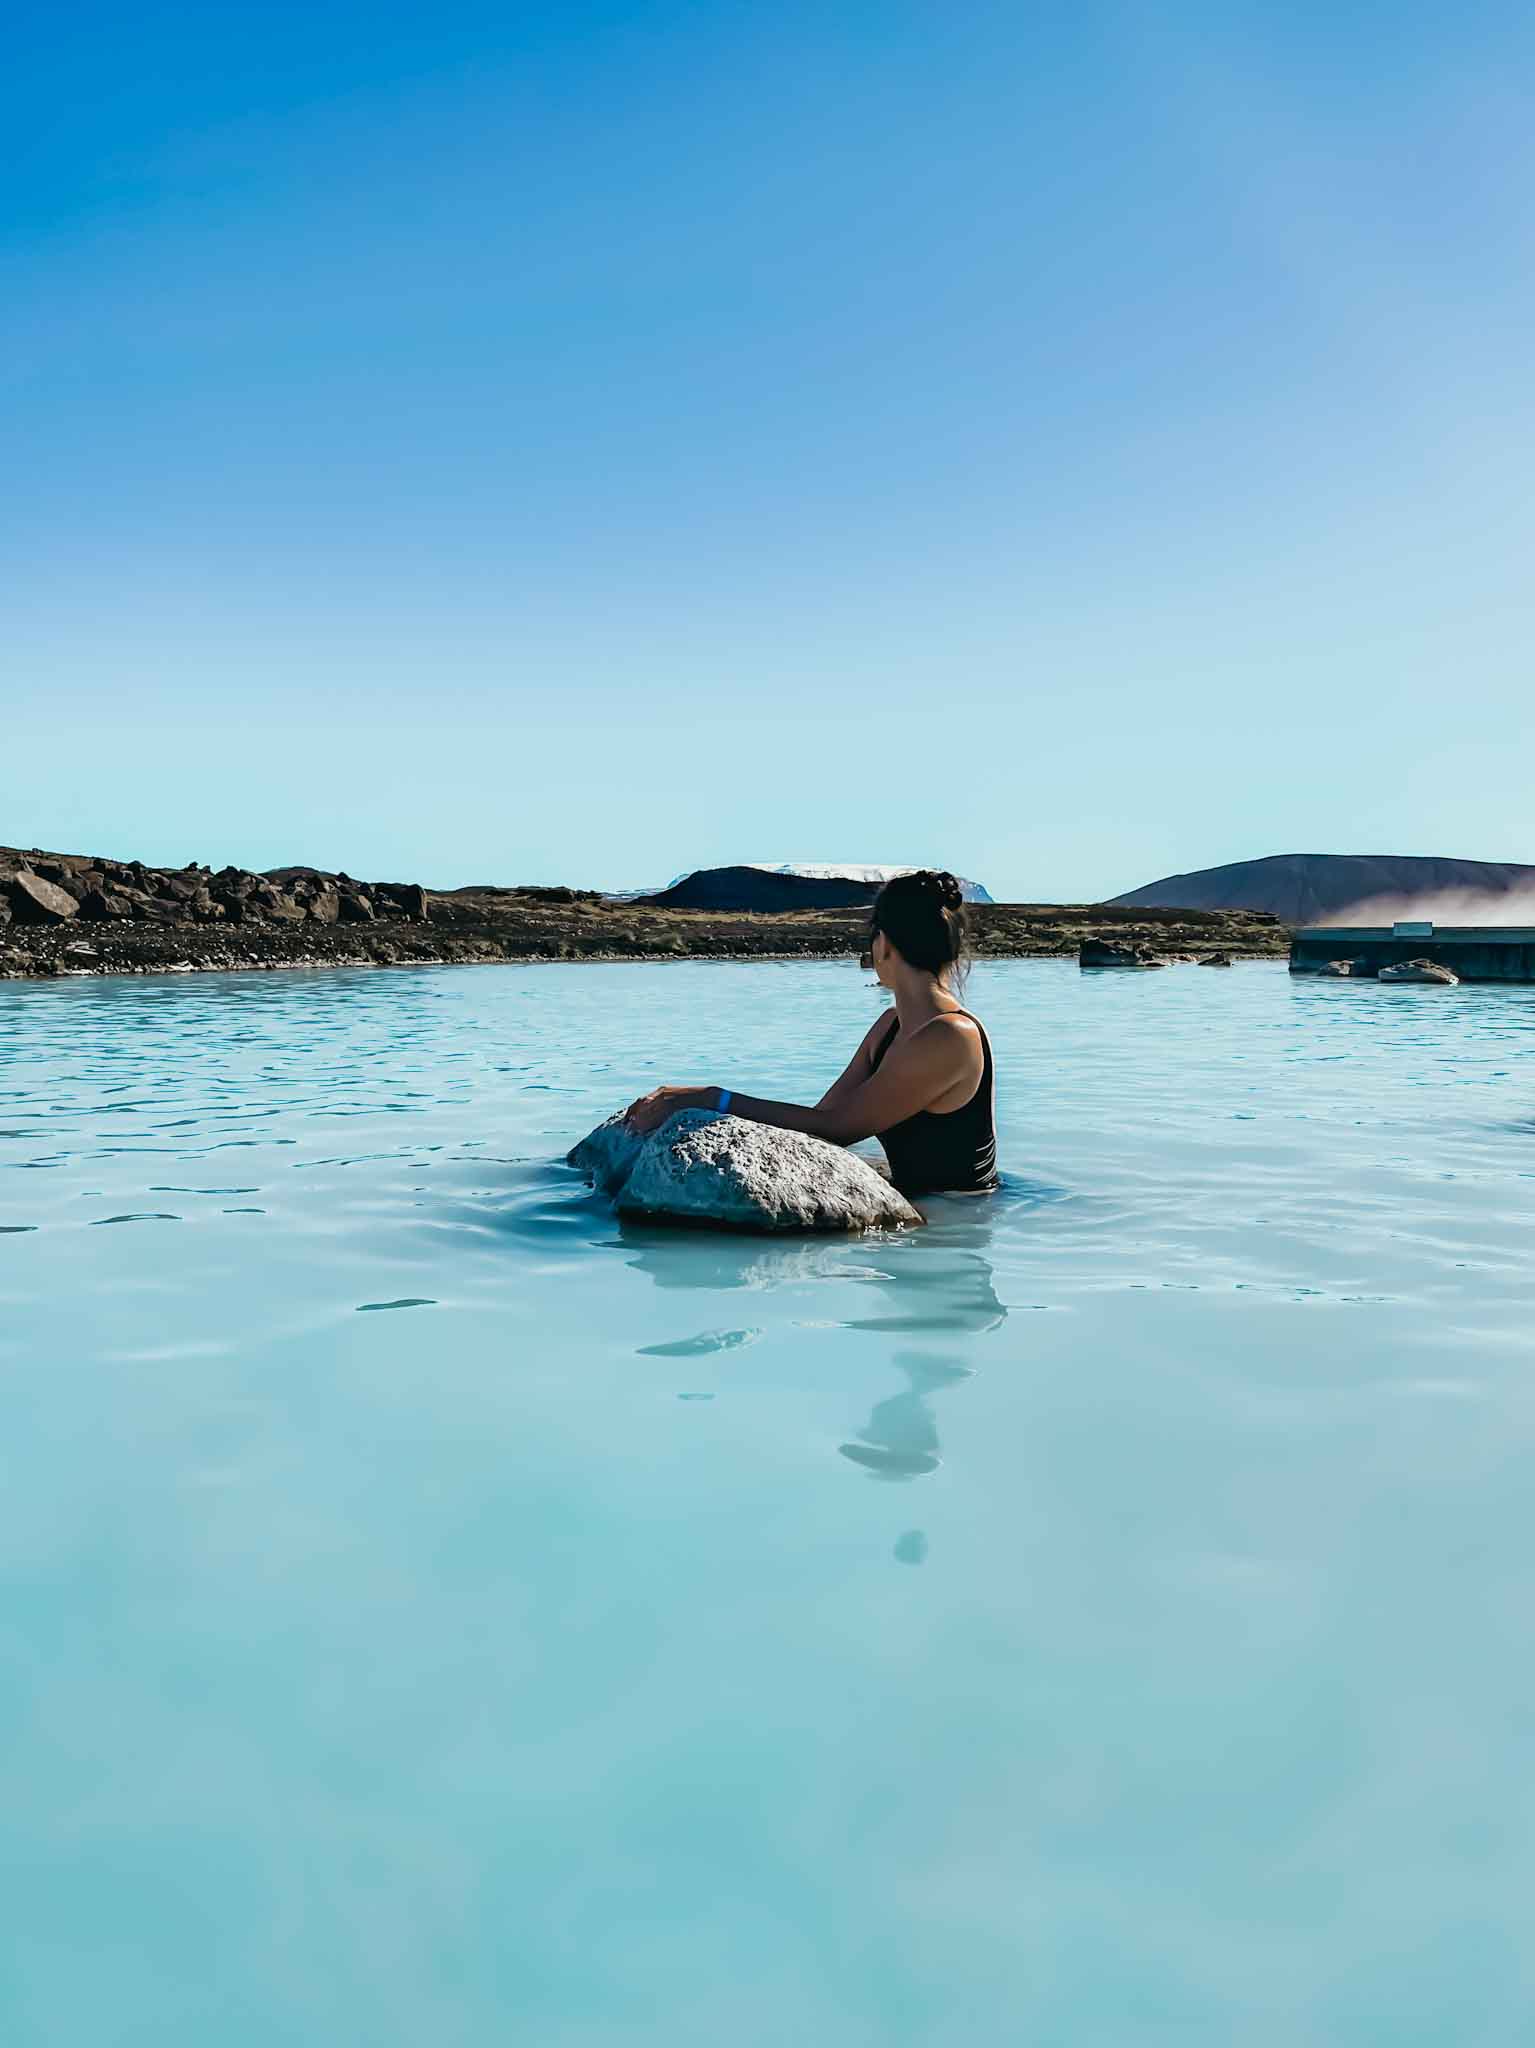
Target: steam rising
[1441,906]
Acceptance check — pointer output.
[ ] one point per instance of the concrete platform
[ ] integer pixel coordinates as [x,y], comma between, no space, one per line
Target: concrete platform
[1474,952]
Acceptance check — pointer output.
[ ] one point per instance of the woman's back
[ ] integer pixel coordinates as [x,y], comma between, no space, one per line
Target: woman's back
[950,1151]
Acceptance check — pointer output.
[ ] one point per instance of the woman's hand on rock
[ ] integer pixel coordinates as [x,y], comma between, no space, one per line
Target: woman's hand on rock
[651,1111]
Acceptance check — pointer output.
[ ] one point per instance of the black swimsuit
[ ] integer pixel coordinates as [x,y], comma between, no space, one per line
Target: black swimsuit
[950,1151]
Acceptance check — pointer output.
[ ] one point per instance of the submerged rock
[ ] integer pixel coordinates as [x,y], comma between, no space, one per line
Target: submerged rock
[1105,953]
[1428,972]
[702,1167]
[607,1155]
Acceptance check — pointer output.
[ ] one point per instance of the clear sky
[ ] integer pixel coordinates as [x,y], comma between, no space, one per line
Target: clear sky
[574,442]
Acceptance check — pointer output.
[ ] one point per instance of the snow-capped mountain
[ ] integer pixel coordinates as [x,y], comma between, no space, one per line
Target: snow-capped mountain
[812,870]
[856,871]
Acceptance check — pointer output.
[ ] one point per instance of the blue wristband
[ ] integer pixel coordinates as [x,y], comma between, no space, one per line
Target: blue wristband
[724,1101]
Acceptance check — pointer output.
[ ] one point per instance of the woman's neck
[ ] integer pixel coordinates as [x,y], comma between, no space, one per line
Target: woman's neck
[920,996]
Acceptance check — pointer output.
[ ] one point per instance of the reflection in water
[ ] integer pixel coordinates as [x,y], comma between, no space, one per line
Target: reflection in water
[676,1256]
[701,1346]
[951,1290]
[934,1285]
[900,1438]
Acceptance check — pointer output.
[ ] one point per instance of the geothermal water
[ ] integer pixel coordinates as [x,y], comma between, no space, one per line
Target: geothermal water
[434,1612]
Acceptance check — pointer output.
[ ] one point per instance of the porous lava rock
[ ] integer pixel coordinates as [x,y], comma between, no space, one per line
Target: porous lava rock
[702,1167]
[607,1155]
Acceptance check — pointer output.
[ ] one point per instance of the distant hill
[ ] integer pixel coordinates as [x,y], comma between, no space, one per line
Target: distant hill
[745,888]
[794,885]
[866,879]
[1331,888]
[855,871]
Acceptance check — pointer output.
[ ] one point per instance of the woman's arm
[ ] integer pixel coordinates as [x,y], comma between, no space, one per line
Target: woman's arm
[653,1109]
[917,1071]
[857,1068]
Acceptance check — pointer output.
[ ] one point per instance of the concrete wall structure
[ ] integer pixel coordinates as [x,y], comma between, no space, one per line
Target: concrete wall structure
[1474,952]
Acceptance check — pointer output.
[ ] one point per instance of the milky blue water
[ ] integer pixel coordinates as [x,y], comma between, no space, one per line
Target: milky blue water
[435,1614]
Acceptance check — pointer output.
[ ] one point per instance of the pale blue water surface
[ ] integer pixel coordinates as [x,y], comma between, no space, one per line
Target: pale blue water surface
[435,1614]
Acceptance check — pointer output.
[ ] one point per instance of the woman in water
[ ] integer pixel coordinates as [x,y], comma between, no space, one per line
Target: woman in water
[921,1083]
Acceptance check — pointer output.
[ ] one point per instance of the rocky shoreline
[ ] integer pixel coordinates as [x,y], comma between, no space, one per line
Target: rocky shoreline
[73,914]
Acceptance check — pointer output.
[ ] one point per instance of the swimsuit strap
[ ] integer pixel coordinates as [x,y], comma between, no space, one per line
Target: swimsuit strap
[890,1036]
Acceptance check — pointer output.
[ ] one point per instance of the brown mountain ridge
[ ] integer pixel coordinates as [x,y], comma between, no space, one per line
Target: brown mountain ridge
[1323,888]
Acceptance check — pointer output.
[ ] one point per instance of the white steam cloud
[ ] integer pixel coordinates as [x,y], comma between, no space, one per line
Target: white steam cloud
[1440,906]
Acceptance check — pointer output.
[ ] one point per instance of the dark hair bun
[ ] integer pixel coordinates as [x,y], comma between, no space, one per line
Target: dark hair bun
[922,913]
[940,886]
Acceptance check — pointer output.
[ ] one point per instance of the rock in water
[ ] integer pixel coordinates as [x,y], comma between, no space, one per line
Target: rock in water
[607,1155]
[1428,972]
[702,1167]
[1105,953]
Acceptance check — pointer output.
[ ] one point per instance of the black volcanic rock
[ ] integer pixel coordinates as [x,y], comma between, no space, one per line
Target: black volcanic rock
[755,889]
[36,900]
[1106,953]
[99,906]
[1312,888]
[40,889]
[234,919]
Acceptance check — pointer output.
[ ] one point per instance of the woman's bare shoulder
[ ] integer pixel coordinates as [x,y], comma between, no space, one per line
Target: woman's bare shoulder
[953,1026]
[953,1036]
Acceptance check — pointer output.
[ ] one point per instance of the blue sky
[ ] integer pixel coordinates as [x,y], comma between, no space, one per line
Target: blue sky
[1067,443]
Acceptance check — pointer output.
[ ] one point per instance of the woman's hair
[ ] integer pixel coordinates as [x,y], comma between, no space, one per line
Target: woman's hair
[923,917]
